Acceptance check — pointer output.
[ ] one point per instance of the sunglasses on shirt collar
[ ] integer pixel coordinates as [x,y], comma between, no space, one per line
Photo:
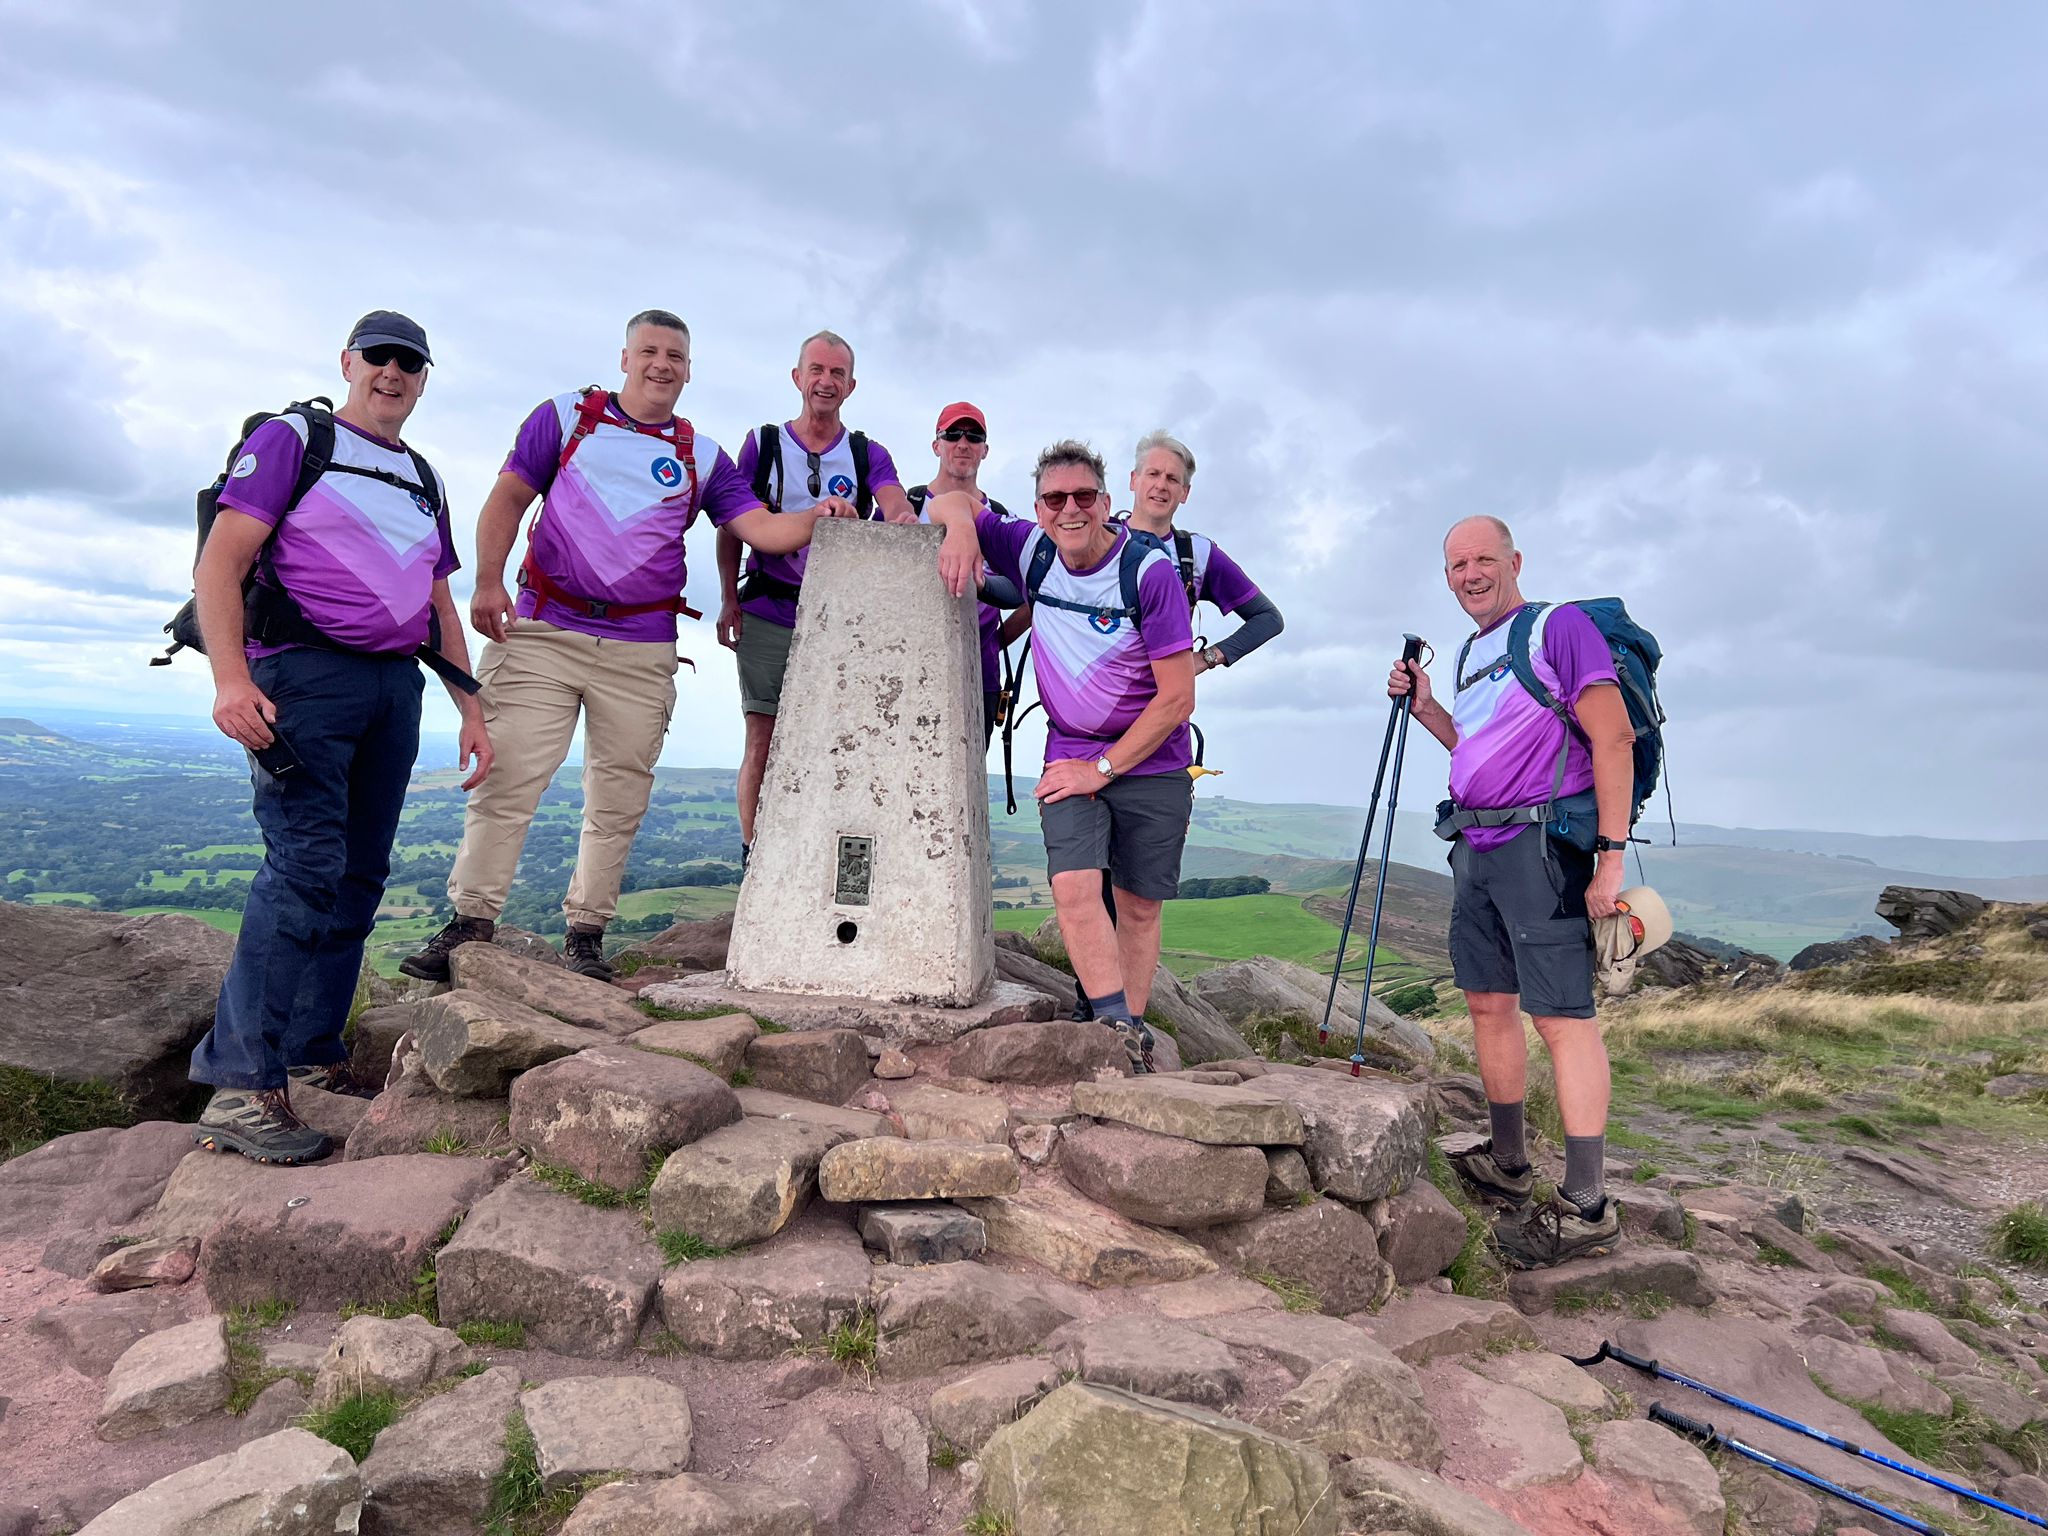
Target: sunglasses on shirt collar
[408,360]
[963,435]
[814,463]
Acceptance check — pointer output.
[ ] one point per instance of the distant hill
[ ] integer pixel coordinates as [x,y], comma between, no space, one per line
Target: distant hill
[24,744]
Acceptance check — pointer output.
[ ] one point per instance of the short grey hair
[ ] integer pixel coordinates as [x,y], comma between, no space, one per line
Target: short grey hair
[1070,451]
[661,317]
[1173,445]
[830,338]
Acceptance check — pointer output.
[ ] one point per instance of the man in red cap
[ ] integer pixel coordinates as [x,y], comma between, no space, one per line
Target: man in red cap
[960,446]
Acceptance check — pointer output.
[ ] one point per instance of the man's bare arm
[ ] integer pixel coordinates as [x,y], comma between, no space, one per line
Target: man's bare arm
[497,525]
[240,708]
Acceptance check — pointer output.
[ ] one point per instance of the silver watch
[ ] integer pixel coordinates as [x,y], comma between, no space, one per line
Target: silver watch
[1104,767]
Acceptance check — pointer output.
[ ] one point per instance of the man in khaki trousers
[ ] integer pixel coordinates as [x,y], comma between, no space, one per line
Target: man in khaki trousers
[592,633]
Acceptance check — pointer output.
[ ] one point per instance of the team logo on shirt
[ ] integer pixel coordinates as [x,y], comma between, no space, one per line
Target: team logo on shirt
[839,485]
[1105,623]
[245,466]
[426,507]
[667,472]
[1500,671]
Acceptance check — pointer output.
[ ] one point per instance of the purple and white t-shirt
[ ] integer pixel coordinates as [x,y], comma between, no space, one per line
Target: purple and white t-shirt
[989,615]
[611,527]
[1507,742]
[1095,676]
[792,493]
[360,556]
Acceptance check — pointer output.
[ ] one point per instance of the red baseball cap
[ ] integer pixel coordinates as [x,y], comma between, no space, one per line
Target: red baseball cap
[958,411]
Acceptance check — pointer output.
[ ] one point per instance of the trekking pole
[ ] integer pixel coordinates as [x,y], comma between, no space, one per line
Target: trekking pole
[1411,650]
[1713,1438]
[1609,1351]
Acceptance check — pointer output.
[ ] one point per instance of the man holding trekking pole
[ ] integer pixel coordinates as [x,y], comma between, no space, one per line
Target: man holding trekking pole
[1538,821]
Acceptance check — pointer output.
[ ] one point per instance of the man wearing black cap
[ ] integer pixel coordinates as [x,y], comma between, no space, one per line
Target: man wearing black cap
[960,446]
[314,674]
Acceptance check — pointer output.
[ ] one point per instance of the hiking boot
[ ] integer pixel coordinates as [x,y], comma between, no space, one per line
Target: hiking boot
[259,1124]
[1486,1177]
[1137,1041]
[333,1077]
[583,953]
[431,963]
[1557,1231]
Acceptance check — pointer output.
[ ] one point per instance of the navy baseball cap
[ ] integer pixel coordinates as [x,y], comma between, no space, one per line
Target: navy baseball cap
[388,328]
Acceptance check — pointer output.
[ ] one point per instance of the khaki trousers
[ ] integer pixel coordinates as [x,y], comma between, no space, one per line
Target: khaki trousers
[535,683]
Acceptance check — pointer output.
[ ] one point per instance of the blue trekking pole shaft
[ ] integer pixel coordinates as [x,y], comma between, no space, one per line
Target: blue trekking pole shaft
[1711,1438]
[1358,872]
[1411,650]
[1608,1351]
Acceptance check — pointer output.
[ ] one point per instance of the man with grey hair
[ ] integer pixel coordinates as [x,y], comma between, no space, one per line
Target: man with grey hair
[593,631]
[846,473]
[1538,819]
[1111,633]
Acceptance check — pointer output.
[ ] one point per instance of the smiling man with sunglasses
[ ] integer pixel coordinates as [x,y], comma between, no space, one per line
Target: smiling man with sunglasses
[1114,652]
[811,462]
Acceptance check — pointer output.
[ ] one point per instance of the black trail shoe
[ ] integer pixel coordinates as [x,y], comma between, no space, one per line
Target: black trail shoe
[334,1077]
[431,963]
[583,953]
[259,1124]
[1556,1231]
[1486,1177]
[1137,1041]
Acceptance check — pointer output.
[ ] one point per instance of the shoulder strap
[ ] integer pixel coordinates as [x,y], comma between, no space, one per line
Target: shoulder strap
[318,415]
[1129,563]
[1042,554]
[590,411]
[430,487]
[768,466]
[998,508]
[863,498]
[918,495]
[1184,553]
[1520,628]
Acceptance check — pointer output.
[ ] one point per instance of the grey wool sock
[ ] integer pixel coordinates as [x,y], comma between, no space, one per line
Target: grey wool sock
[1585,1173]
[1110,1006]
[1510,1143]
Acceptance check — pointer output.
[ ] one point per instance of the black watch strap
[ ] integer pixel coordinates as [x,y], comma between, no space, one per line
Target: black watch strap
[1610,845]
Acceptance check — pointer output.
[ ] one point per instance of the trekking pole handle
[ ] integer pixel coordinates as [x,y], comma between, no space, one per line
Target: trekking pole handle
[1615,1352]
[1693,1428]
[1412,647]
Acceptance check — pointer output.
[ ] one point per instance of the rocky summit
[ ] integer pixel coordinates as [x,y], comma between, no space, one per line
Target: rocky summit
[588,1267]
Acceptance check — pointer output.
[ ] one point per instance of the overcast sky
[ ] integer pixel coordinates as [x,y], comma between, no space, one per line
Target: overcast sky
[1738,311]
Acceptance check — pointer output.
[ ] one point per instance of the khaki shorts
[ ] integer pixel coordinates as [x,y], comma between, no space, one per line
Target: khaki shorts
[764,658]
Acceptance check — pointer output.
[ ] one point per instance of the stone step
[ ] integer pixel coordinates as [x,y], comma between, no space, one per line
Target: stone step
[742,1183]
[890,1168]
[1059,1052]
[291,1483]
[825,1065]
[961,1314]
[1088,1244]
[606,1111]
[1204,1112]
[717,1044]
[546,988]
[1166,1181]
[473,1043]
[762,1304]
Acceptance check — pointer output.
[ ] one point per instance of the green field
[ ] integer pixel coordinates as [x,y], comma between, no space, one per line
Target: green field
[216,850]
[686,901]
[226,922]
[165,880]
[1198,936]
[46,898]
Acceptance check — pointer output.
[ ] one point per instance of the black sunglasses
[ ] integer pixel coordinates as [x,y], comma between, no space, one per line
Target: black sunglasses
[963,435]
[812,463]
[1056,501]
[408,360]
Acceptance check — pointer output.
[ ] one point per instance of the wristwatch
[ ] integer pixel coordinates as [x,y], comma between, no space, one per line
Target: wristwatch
[1214,656]
[1610,845]
[1104,767]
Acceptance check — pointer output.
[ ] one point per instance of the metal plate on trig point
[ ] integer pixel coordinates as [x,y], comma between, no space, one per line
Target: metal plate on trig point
[856,871]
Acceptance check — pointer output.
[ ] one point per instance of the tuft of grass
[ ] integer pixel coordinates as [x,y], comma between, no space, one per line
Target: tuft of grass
[853,1343]
[1914,1114]
[1266,1031]
[571,1183]
[1858,1125]
[1775,1257]
[767,1026]
[1646,1172]
[35,1109]
[945,1454]
[447,1143]
[474,1368]
[1641,1304]
[479,1334]
[986,1522]
[247,1374]
[665,1346]
[1474,1272]
[517,1492]
[2020,1236]
[680,1247]
[1905,1291]
[355,1422]
[1295,1295]
[742,1077]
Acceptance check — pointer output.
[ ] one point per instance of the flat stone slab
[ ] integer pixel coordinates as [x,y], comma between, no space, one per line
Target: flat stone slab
[1521,1439]
[1157,1358]
[812,1462]
[586,1426]
[966,1412]
[1549,1376]
[412,1113]
[1173,1468]
[718,1044]
[890,1168]
[932,1113]
[1367,1405]
[1614,1279]
[846,1124]
[1427,1325]
[154,1261]
[92,1183]
[1325,1246]
[899,1023]
[1299,1341]
[760,1305]
[960,1314]
[1387,1496]
[1204,1112]
[828,1065]
[90,1333]
[1209,1296]
[689,1506]
[1862,1374]
[472,1043]
[1366,1136]
[291,1483]
[605,1111]
[933,1233]
[1166,1181]
[740,1184]
[1060,1051]
[1673,1470]
[322,1235]
[168,1379]
[546,988]
[581,1279]
[1083,1242]
[434,1469]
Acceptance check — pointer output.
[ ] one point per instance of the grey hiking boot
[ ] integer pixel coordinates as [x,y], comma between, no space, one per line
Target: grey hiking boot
[1486,1177]
[431,963]
[334,1077]
[1557,1230]
[1137,1041]
[583,953]
[259,1124]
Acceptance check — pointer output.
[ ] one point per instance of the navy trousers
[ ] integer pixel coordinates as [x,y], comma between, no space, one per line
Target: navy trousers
[354,722]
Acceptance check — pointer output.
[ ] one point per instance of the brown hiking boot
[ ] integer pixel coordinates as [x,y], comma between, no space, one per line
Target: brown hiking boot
[431,963]
[334,1077]
[1137,1041]
[259,1124]
[1557,1231]
[1485,1176]
[583,953]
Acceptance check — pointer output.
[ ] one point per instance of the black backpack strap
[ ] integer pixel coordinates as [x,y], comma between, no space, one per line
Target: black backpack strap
[1042,554]
[430,485]
[1520,628]
[863,496]
[768,466]
[918,495]
[998,508]
[318,458]
[1129,564]
[1184,554]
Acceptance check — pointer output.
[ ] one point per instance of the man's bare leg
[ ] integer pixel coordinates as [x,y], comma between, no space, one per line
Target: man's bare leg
[1084,925]
[753,768]
[1137,948]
